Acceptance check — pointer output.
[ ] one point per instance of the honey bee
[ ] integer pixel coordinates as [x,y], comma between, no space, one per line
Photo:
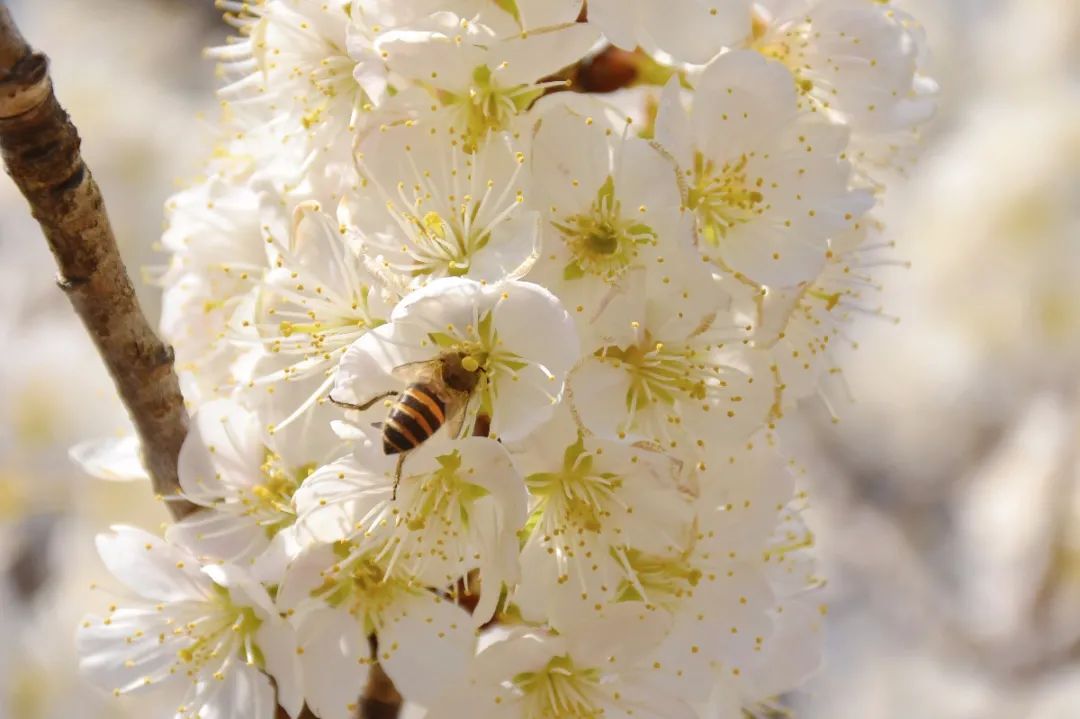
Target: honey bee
[438,392]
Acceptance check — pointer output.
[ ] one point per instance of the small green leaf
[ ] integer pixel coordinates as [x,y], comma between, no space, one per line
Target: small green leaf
[511,7]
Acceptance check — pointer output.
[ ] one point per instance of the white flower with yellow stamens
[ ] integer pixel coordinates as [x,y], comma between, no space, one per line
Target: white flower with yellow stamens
[515,335]
[434,210]
[212,628]
[290,71]
[339,597]
[802,328]
[767,184]
[677,376]
[315,301]
[215,232]
[612,209]
[600,667]
[245,479]
[459,508]
[593,500]
[859,63]
[481,81]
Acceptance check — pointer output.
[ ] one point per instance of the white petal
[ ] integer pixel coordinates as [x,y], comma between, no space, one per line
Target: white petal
[597,393]
[219,535]
[525,59]
[243,693]
[618,19]
[694,31]
[532,323]
[511,251]
[569,181]
[757,96]
[430,57]
[151,567]
[124,653]
[223,452]
[366,367]
[427,647]
[276,640]
[335,497]
[116,460]
[619,635]
[335,663]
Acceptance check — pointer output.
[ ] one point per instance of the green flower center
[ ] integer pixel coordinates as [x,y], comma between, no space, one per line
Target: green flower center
[661,581]
[577,496]
[363,586]
[561,690]
[602,241]
[660,373]
[488,106]
[230,625]
[723,197]
[446,245]
[271,501]
[444,497]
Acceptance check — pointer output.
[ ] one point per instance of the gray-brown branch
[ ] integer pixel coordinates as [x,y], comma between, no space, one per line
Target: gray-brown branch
[41,151]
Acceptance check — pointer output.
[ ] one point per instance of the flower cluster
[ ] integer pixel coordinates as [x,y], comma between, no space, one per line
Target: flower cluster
[487,371]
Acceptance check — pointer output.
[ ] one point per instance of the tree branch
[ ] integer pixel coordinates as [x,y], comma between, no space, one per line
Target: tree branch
[41,151]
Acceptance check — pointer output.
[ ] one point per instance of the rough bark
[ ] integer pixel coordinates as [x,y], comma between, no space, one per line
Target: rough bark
[40,149]
[41,152]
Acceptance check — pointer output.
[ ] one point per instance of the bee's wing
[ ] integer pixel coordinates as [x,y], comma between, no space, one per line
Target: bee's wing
[423,371]
[457,411]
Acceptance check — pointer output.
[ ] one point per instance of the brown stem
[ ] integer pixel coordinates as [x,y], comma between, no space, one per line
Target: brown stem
[41,151]
[381,699]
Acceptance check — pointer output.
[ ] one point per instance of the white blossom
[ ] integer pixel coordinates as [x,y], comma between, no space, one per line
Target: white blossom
[481,81]
[211,628]
[860,63]
[317,299]
[215,234]
[459,508]
[246,479]
[677,377]
[291,70]
[602,667]
[610,208]
[340,595]
[767,183]
[614,301]
[517,335]
[439,211]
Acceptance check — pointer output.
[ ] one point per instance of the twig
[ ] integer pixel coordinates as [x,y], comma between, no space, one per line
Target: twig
[41,151]
[381,699]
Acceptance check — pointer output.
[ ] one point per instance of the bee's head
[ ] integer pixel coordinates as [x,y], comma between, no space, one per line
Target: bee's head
[461,371]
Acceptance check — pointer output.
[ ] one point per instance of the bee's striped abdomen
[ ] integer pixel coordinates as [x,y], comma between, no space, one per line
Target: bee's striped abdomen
[414,417]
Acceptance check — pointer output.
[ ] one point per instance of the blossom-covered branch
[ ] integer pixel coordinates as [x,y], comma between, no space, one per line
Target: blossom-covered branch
[41,152]
[489,368]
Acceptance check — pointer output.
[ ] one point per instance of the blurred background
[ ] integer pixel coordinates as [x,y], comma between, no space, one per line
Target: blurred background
[946,501]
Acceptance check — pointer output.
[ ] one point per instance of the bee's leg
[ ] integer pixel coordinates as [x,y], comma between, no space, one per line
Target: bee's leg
[397,476]
[366,405]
